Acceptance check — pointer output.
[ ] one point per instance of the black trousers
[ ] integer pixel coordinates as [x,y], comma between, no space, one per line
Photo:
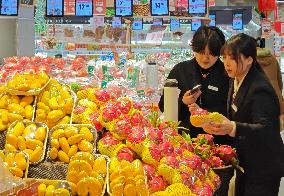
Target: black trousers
[246,186]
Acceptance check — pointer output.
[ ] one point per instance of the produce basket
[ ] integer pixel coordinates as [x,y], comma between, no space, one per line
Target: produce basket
[32,140]
[17,162]
[65,186]
[225,174]
[141,9]
[70,139]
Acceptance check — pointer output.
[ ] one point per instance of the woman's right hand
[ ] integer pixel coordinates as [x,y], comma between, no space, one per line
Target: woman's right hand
[188,98]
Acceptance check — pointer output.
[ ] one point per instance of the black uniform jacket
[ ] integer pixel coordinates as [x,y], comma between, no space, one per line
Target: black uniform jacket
[214,92]
[256,113]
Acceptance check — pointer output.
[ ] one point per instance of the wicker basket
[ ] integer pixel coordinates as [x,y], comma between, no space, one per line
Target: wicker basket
[225,174]
[141,9]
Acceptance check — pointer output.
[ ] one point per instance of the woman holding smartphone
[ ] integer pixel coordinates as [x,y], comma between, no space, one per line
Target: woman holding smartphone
[253,120]
[207,70]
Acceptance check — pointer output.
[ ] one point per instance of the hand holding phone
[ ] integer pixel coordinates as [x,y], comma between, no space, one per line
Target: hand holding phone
[191,96]
[195,89]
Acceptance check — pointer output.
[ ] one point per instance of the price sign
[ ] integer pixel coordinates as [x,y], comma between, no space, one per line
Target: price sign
[137,24]
[266,27]
[159,7]
[197,6]
[213,20]
[158,21]
[175,24]
[195,24]
[116,22]
[99,7]
[237,21]
[123,7]
[9,7]
[54,8]
[84,7]
[69,7]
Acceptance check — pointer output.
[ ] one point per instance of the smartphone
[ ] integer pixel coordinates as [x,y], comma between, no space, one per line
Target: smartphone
[195,89]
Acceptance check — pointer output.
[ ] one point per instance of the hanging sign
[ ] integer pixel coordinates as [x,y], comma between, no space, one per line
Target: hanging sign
[99,7]
[197,6]
[54,8]
[123,8]
[159,7]
[9,7]
[84,8]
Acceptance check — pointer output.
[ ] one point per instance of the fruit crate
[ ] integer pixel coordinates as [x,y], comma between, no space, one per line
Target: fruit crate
[16,161]
[69,132]
[31,138]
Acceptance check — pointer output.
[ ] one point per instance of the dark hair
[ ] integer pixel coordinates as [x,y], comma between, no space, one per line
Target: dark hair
[241,44]
[211,36]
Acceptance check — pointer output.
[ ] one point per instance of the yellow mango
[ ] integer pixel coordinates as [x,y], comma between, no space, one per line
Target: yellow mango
[33,143]
[58,133]
[41,189]
[95,187]
[64,145]
[50,190]
[40,134]
[64,93]
[4,116]
[82,188]
[28,152]
[63,156]
[55,115]
[75,139]
[52,103]
[83,174]
[12,139]
[19,128]
[98,177]
[13,117]
[85,146]
[65,120]
[21,161]
[35,86]
[9,147]
[61,103]
[9,159]
[55,143]
[72,176]
[87,134]
[68,105]
[2,155]
[29,111]
[41,105]
[16,109]
[27,100]
[4,102]
[29,131]
[53,153]
[3,127]
[21,143]
[117,190]
[70,131]
[41,115]
[36,155]
[118,180]
[15,99]
[61,192]
[45,97]
[16,172]
[100,166]
[72,151]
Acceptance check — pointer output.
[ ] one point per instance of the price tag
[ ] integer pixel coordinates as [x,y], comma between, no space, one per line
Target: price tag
[213,20]
[84,8]
[9,7]
[99,7]
[69,7]
[98,21]
[237,21]
[137,24]
[116,22]
[159,7]
[123,8]
[197,6]
[54,8]
[175,24]
[195,24]
[155,38]
[158,21]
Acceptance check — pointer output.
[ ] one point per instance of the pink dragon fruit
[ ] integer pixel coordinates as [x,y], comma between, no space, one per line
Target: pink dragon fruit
[187,177]
[214,161]
[194,162]
[149,170]
[157,184]
[108,145]
[124,104]
[203,150]
[102,95]
[167,148]
[121,128]
[155,135]
[205,139]
[226,153]
[126,153]
[94,118]
[135,140]
[171,161]
[137,118]
[151,154]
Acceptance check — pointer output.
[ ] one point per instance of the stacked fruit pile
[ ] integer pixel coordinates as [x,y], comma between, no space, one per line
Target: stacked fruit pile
[127,178]
[88,173]
[13,107]
[67,140]
[28,137]
[55,105]
[17,162]
[54,188]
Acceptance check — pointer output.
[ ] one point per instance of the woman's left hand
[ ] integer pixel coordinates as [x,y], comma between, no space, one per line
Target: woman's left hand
[223,128]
